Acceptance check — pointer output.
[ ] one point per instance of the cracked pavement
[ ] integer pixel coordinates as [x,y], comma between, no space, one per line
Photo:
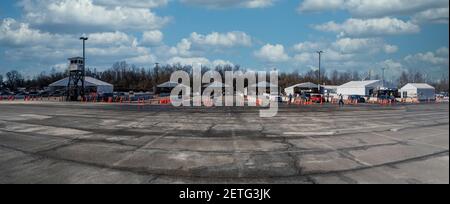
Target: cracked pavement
[117,143]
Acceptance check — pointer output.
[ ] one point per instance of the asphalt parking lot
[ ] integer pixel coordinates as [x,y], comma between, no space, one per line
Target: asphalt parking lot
[107,143]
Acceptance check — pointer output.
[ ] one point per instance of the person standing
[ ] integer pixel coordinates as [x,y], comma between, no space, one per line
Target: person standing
[290,98]
[341,100]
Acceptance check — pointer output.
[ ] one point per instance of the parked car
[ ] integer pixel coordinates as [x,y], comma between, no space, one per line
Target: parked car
[360,99]
[317,98]
[33,94]
[20,95]
[386,97]
[4,93]
[305,96]
[57,93]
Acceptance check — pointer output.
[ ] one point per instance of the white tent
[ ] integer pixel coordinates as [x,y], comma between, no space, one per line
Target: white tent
[359,88]
[90,83]
[420,91]
[303,86]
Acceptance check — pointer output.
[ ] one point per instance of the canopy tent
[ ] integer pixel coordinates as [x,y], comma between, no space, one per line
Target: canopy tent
[307,87]
[169,84]
[360,88]
[100,87]
[421,91]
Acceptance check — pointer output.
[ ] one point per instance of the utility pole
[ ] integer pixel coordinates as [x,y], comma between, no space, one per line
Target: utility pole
[382,76]
[84,66]
[320,52]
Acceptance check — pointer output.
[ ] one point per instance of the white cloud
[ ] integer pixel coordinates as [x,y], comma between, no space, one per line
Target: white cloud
[40,49]
[389,49]
[198,61]
[189,60]
[230,39]
[111,39]
[133,3]
[343,54]
[309,46]
[183,48]
[231,3]
[272,53]
[153,37]
[368,45]
[371,8]
[438,15]
[216,63]
[304,57]
[17,34]
[442,52]
[370,27]
[199,44]
[393,68]
[81,15]
[439,57]
[321,5]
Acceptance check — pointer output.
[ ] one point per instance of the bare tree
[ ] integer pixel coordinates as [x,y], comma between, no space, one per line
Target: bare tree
[14,80]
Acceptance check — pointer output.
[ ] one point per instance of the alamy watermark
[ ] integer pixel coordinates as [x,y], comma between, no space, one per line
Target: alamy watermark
[240,89]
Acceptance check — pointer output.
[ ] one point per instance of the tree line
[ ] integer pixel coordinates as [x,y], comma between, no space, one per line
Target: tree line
[126,77]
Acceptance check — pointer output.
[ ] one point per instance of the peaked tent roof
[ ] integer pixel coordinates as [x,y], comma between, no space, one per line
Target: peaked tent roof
[419,86]
[304,85]
[353,84]
[89,81]
[169,84]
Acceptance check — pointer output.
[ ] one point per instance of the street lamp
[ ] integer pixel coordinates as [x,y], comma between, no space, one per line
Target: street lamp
[84,64]
[320,52]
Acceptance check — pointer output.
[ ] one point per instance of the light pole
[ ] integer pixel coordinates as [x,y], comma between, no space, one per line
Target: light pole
[320,52]
[84,65]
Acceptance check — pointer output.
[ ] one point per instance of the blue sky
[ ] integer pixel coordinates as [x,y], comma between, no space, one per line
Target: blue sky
[400,35]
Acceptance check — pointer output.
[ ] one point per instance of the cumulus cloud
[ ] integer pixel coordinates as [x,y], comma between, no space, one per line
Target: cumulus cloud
[369,27]
[230,39]
[43,49]
[368,45]
[389,49]
[133,3]
[393,68]
[183,48]
[190,61]
[153,37]
[111,39]
[81,15]
[439,57]
[370,8]
[342,54]
[308,46]
[438,15]
[433,63]
[231,3]
[199,43]
[272,53]
[17,34]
